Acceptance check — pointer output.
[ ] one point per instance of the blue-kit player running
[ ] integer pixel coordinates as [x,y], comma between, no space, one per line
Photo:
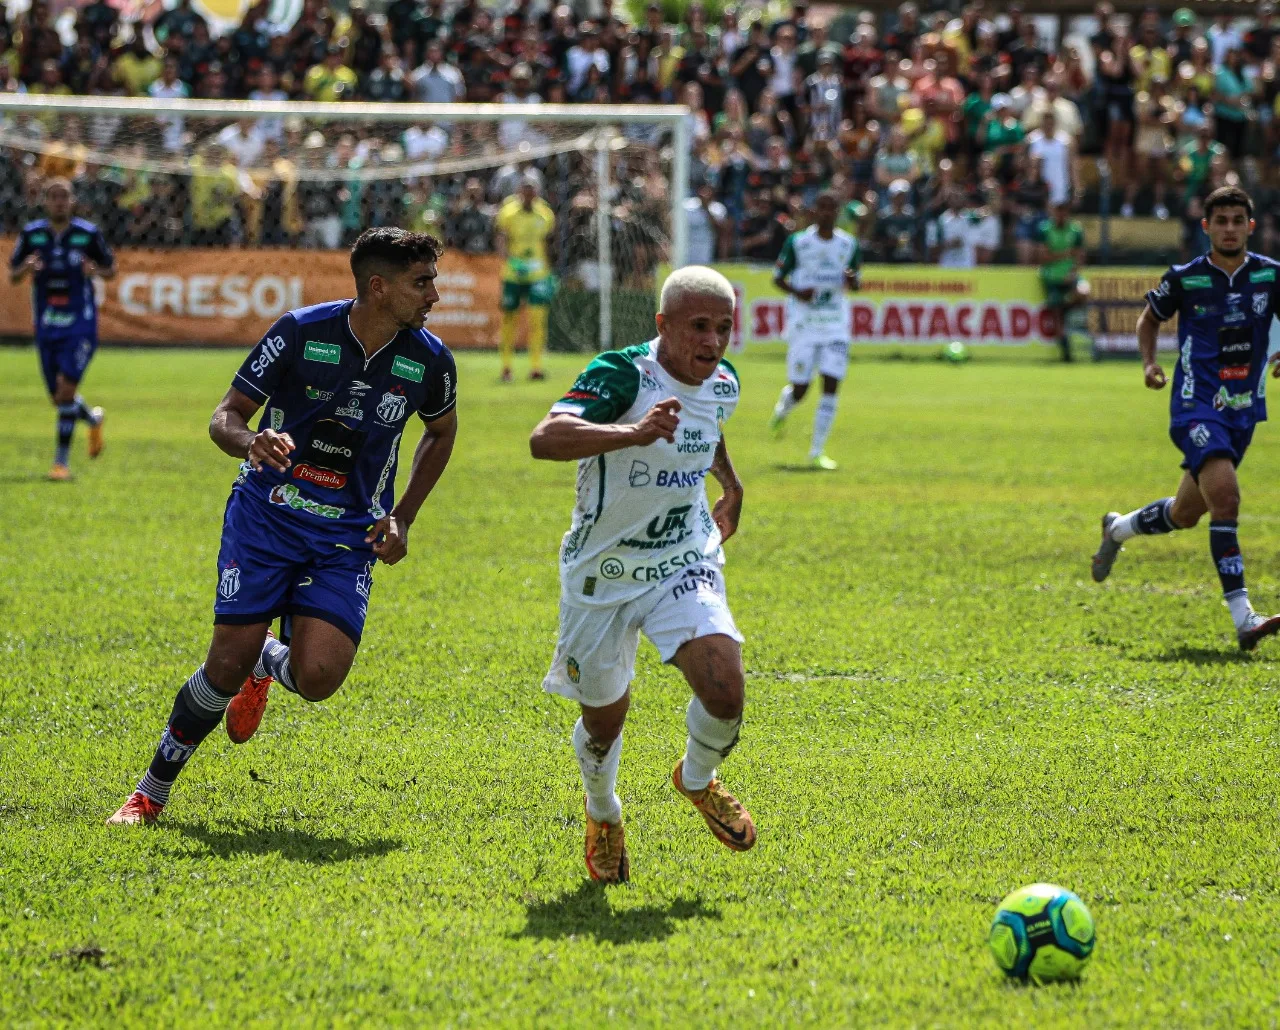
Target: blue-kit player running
[62,255]
[313,509]
[1224,301]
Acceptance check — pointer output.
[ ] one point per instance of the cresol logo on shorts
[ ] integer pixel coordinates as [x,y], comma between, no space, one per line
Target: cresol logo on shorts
[656,572]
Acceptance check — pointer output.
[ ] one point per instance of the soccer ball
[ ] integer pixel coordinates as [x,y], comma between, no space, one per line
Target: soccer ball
[955,352]
[1043,932]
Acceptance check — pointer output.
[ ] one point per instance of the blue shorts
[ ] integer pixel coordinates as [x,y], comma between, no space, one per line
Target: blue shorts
[271,564]
[68,355]
[1207,438]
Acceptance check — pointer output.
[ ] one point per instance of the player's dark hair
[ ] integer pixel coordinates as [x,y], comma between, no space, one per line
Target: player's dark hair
[1227,196]
[387,250]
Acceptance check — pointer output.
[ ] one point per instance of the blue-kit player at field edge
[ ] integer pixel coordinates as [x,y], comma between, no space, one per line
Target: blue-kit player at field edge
[62,255]
[313,509]
[1225,302]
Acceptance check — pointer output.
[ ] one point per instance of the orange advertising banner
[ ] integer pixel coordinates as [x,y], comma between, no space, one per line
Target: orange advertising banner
[231,297]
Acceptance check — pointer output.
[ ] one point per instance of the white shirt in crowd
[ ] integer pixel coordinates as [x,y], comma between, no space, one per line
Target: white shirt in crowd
[1054,154]
[702,231]
[437,84]
[270,128]
[971,233]
[783,82]
[172,125]
[514,131]
[245,148]
[579,61]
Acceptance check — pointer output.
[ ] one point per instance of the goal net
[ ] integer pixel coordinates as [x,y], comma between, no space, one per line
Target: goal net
[226,213]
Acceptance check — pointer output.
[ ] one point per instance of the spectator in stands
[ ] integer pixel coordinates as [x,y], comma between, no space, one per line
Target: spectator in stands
[1155,114]
[896,229]
[752,67]
[823,102]
[170,87]
[1052,150]
[708,226]
[1232,104]
[268,90]
[386,83]
[332,79]
[1027,204]
[763,233]
[435,81]
[895,164]
[470,223]
[276,220]
[216,186]
[580,58]
[783,80]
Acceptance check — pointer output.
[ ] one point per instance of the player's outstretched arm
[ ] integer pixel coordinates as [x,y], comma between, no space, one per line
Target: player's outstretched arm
[390,535]
[727,510]
[564,437]
[229,429]
[1148,333]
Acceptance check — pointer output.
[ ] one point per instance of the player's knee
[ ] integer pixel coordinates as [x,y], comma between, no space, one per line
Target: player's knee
[317,680]
[227,670]
[798,390]
[724,695]
[604,725]
[1225,506]
[1184,518]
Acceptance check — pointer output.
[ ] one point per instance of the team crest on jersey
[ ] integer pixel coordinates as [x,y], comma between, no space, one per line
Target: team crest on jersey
[1259,304]
[1199,434]
[392,406]
[229,585]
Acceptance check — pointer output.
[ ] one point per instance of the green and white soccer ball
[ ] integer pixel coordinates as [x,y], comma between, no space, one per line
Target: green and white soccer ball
[955,352]
[1042,932]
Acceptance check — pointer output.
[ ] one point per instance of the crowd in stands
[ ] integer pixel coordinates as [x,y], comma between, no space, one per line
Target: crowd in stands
[947,135]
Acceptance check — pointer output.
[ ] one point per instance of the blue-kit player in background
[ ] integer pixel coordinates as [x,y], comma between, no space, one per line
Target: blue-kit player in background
[62,255]
[313,509]
[1225,302]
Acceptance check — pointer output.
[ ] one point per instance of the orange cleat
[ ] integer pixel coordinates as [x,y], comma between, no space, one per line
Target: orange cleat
[98,416]
[59,473]
[606,852]
[137,811]
[725,815]
[244,714]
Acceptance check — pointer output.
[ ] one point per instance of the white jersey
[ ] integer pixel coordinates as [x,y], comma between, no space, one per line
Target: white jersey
[642,514]
[810,262]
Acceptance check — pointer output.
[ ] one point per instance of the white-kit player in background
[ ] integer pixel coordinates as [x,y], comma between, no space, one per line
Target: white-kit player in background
[815,268]
[644,554]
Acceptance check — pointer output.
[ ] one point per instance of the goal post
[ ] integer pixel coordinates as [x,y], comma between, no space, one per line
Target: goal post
[297,179]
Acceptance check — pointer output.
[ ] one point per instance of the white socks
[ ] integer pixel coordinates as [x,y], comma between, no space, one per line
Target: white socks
[786,401]
[599,775]
[822,420]
[1241,609]
[1125,527]
[710,740]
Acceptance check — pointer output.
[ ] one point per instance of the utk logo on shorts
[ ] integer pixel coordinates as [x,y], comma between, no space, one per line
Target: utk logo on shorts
[229,585]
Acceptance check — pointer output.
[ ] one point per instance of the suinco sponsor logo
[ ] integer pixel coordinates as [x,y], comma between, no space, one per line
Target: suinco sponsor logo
[321,477]
[269,349]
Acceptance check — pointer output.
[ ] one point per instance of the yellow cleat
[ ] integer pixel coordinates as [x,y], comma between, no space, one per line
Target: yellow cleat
[95,431]
[59,473]
[824,463]
[726,817]
[606,852]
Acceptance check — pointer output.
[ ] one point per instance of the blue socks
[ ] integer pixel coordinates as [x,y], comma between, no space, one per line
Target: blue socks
[197,710]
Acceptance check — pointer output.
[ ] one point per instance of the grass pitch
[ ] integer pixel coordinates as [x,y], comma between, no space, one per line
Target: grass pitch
[941,708]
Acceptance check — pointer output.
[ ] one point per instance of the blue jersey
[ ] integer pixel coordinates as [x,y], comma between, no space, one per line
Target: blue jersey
[1224,329]
[345,412]
[62,295]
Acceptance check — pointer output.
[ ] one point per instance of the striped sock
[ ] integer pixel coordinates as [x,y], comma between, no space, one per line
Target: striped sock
[66,428]
[197,710]
[275,663]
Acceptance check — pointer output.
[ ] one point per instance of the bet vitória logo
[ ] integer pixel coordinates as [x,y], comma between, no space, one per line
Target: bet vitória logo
[1042,933]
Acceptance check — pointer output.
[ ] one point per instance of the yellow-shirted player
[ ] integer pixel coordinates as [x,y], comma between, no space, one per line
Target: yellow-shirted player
[524,222]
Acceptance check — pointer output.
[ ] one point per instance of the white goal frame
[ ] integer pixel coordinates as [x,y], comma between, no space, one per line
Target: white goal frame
[604,116]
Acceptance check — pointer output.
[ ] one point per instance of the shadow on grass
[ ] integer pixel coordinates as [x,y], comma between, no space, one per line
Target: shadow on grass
[795,466]
[24,477]
[286,841]
[1201,656]
[586,912]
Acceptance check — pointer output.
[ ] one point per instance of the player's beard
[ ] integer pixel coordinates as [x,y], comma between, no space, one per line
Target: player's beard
[1235,252]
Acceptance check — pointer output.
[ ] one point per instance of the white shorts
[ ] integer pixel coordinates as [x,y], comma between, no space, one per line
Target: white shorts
[595,658]
[829,357]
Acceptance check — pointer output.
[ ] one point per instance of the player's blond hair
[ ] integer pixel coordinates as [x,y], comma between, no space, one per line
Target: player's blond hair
[694,281]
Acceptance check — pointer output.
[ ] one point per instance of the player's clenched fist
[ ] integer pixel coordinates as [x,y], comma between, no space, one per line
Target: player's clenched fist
[659,423]
[270,448]
[1153,376]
